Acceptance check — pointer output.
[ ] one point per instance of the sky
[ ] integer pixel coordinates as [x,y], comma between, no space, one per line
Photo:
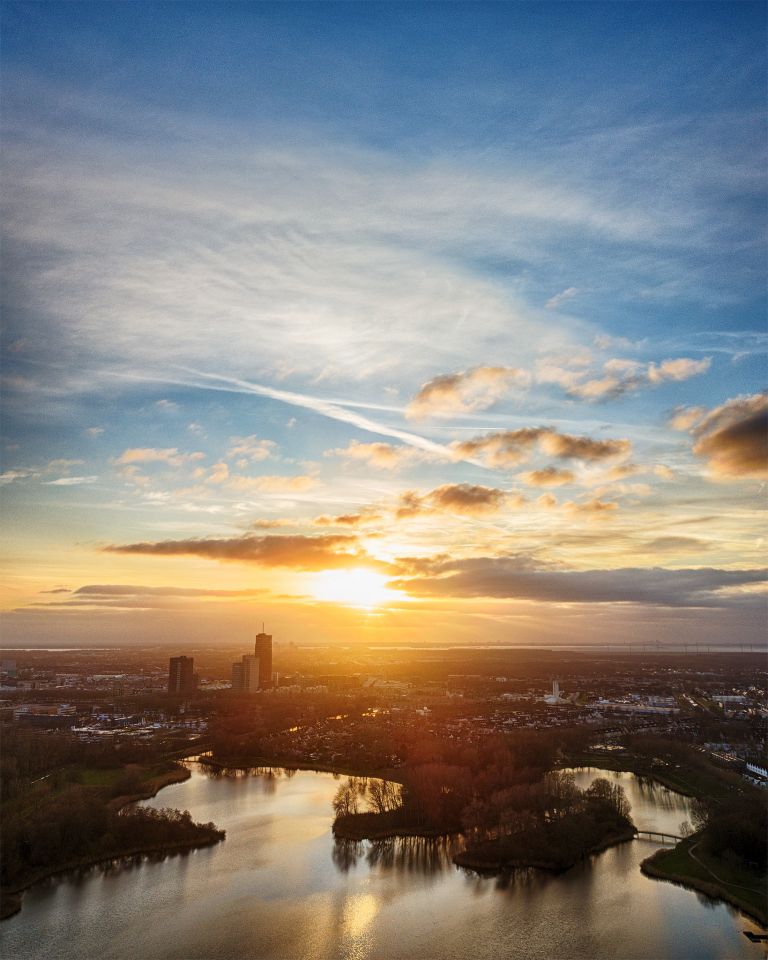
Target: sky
[384,322]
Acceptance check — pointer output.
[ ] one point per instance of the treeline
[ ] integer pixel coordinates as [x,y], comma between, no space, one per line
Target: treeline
[551,823]
[734,829]
[76,825]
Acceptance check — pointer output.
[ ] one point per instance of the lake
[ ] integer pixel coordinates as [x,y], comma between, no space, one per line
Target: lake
[280,888]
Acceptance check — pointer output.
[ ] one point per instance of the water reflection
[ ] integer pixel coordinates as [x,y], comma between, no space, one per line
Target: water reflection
[280,886]
[423,855]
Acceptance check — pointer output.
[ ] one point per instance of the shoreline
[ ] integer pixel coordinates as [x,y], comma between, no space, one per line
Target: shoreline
[344,832]
[712,889]
[152,787]
[11,897]
[625,765]
[471,862]
[390,773]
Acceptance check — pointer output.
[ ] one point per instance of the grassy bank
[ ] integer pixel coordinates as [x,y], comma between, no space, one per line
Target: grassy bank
[688,865]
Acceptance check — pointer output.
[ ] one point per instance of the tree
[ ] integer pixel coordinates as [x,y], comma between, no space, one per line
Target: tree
[345,800]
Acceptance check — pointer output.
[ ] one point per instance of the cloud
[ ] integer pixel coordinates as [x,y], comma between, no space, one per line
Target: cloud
[251,448]
[362,518]
[240,228]
[626,376]
[334,410]
[93,431]
[519,578]
[507,448]
[272,484]
[167,406]
[568,447]
[605,341]
[459,498]
[676,545]
[683,418]
[591,508]
[554,302]
[384,456]
[300,552]
[664,472]
[475,389]
[733,438]
[24,473]
[622,471]
[62,466]
[122,590]
[547,477]
[169,455]
[677,370]
[273,523]
[70,481]
[219,473]
[100,597]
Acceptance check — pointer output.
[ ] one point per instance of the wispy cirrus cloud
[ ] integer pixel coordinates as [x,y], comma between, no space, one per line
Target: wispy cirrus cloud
[560,298]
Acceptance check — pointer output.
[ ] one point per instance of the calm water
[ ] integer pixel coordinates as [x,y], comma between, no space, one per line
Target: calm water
[280,888]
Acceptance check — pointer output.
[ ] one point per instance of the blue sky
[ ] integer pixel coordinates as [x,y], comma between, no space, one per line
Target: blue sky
[269,263]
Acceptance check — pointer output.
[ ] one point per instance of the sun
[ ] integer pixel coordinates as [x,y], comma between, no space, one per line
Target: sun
[357,587]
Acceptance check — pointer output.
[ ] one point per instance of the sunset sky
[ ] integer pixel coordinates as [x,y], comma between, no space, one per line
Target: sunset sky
[384,322]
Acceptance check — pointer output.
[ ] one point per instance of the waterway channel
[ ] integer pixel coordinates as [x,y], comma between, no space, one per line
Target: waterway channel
[280,888]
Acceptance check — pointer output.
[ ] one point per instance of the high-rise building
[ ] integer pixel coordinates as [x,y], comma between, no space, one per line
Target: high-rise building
[246,674]
[181,675]
[263,650]
[251,674]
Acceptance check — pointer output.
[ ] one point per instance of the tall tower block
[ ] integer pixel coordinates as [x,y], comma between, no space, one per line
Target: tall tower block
[181,675]
[263,650]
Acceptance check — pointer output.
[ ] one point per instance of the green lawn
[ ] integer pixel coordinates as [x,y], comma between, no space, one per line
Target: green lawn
[95,777]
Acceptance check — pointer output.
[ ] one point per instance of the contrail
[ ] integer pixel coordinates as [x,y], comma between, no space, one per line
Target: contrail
[334,412]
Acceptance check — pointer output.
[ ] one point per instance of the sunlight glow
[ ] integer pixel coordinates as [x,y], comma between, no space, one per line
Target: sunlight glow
[354,588]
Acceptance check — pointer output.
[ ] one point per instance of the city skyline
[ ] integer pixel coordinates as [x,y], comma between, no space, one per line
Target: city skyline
[404,322]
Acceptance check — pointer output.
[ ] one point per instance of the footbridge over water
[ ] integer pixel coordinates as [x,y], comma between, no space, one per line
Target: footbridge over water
[658,837]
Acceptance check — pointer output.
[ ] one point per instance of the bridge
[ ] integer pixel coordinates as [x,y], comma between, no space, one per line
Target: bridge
[658,837]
